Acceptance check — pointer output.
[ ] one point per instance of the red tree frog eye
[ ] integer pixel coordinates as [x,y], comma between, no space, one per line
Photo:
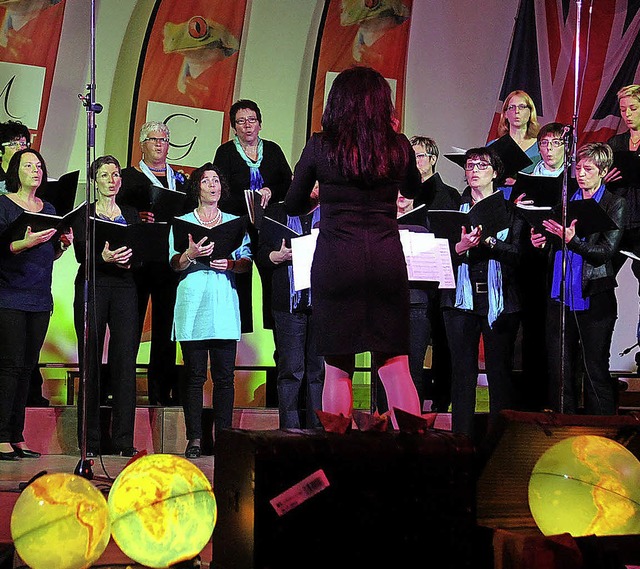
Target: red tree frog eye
[198,27]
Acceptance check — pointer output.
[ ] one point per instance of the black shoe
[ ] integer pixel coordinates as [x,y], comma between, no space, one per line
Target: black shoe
[25,452]
[129,451]
[92,453]
[13,455]
[193,451]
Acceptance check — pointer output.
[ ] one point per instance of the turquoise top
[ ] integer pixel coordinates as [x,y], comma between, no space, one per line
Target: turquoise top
[207,306]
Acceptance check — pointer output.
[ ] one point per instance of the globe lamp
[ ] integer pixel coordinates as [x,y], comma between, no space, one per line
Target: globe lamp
[586,485]
[162,510]
[60,520]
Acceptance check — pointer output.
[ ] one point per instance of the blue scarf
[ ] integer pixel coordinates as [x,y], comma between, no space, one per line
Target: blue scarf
[294,223]
[573,274]
[464,292]
[255,178]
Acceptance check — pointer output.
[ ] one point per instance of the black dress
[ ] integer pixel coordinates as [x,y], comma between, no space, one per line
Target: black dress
[359,275]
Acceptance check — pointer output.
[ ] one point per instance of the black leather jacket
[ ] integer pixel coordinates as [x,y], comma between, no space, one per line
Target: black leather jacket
[598,249]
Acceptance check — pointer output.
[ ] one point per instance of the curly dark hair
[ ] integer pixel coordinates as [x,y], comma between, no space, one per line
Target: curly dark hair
[13,170]
[193,186]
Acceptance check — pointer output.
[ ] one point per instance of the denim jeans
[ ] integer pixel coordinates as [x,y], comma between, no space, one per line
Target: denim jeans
[298,364]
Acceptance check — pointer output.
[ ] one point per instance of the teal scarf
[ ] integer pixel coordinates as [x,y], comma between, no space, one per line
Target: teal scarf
[256,182]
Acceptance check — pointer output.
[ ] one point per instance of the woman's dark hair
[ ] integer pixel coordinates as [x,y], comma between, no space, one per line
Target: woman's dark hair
[13,130]
[358,124]
[490,155]
[100,162]
[193,187]
[244,104]
[13,170]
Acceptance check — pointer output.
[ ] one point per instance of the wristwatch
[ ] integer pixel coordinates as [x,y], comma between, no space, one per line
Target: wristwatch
[491,242]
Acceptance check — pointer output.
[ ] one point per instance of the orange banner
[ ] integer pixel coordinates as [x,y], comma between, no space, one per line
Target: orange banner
[374,33]
[187,74]
[29,39]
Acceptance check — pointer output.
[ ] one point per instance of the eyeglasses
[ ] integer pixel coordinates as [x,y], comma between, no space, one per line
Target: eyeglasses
[423,155]
[520,107]
[155,140]
[470,166]
[249,120]
[555,142]
[17,144]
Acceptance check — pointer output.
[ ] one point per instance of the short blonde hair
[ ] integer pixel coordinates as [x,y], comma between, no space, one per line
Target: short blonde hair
[599,153]
[629,91]
[532,126]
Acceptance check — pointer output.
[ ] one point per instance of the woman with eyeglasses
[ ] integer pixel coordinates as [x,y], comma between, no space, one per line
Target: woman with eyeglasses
[155,281]
[14,136]
[249,162]
[486,301]
[26,302]
[590,306]
[519,120]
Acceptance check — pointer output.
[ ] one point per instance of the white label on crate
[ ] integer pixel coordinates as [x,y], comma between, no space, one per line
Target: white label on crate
[300,492]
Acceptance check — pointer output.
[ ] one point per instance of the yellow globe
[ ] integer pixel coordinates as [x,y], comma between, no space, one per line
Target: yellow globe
[60,520]
[162,510]
[586,485]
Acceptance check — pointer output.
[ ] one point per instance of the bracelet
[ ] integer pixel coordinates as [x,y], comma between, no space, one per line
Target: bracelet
[191,261]
[63,246]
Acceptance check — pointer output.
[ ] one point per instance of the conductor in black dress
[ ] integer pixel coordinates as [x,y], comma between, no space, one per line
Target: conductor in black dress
[358,276]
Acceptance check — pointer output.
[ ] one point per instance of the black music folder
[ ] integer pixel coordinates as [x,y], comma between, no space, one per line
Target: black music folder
[590,216]
[417,216]
[512,156]
[227,236]
[164,203]
[490,212]
[61,193]
[39,222]
[273,232]
[148,241]
[629,165]
[542,190]
[253,199]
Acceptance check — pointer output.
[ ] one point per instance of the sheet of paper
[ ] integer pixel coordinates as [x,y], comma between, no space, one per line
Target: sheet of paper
[428,258]
[302,249]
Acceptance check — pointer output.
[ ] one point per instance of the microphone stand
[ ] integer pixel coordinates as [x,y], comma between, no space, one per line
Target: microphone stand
[570,146]
[84,466]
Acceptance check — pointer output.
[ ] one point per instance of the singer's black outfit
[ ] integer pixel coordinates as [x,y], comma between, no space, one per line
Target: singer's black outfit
[588,333]
[112,302]
[158,282]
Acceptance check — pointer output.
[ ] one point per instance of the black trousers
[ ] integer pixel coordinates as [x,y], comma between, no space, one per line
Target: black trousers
[115,307]
[463,333]
[222,355]
[587,342]
[22,335]
[158,282]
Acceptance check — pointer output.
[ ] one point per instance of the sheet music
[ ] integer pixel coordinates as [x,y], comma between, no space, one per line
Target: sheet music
[428,258]
[302,249]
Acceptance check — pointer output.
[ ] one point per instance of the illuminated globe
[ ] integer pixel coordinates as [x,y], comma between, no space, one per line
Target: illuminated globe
[60,520]
[586,485]
[162,510]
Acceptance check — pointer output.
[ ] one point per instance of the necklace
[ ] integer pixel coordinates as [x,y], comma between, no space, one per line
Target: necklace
[213,221]
[157,169]
[634,142]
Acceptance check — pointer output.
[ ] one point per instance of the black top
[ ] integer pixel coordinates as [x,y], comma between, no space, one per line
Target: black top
[359,284]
